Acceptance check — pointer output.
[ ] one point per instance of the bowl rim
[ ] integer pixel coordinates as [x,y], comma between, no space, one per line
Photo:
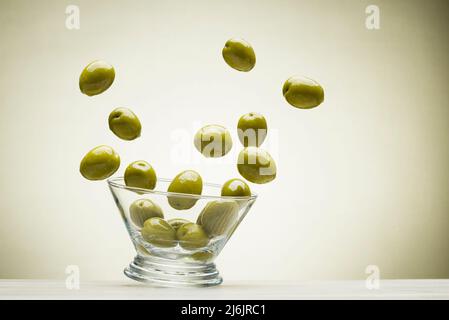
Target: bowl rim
[118,182]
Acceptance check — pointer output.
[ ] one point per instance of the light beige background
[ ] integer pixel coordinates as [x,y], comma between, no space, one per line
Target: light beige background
[362,180]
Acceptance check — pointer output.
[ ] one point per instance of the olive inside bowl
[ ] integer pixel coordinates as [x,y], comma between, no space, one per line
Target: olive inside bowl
[176,247]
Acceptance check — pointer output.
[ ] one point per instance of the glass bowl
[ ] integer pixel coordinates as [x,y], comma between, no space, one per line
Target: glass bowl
[180,263]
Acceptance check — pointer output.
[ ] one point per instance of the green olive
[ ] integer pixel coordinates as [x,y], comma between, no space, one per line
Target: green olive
[239,55]
[177,222]
[256,165]
[203,256]
[159,233]
[96,78]
[213,141]
[188,182]
[235,188]
[218,217]
[252,129]
[303,93]
[124,123]
[144,209]
[142,250]
[140,174]
[99,163]
[192,236]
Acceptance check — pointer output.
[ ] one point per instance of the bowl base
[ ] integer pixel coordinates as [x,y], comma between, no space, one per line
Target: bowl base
[169,273]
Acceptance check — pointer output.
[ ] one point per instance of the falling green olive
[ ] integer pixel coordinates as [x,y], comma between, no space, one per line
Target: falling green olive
[256,165]
[159,233]
[99,163]
[124,124]
[188,182]
[96,78]
[239,55]
[303,93]
[140,174]
[142,210]
[235,188]
[252,129]
[192,236]
[213,141]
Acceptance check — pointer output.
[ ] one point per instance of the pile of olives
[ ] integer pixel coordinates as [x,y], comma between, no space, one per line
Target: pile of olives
[254,163]
[216,219]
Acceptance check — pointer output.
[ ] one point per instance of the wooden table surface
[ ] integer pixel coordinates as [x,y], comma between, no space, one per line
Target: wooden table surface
[127,289]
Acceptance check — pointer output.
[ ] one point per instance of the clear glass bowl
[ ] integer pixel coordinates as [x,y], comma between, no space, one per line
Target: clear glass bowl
[176,266]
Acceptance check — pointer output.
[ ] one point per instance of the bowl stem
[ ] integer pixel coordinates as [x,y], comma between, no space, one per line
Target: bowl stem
[169,273]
